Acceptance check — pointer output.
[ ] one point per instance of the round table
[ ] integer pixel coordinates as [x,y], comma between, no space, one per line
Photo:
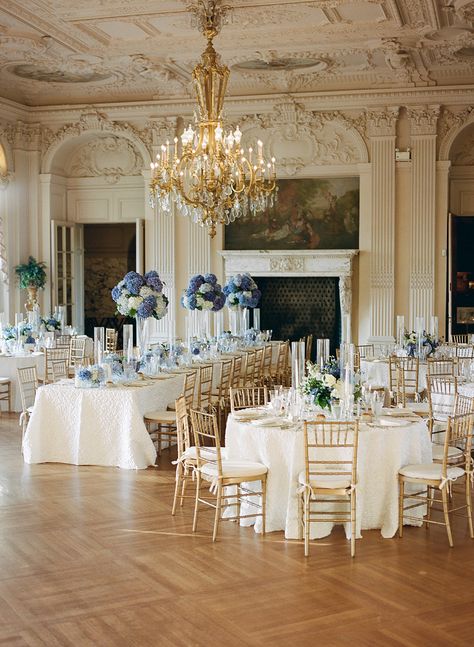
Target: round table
[382,452]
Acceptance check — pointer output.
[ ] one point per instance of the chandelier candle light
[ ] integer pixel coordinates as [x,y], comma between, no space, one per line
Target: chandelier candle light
[211,180]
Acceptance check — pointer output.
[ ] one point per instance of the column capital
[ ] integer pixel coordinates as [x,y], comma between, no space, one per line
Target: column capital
[381,122]
[423,119]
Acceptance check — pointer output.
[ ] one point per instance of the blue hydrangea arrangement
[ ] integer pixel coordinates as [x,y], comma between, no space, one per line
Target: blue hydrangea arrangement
[140,296]
[89,377]
[242,292]
[203,293]
[410,343]
[50,324]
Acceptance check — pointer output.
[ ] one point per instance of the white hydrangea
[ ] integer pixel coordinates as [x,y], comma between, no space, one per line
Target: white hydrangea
[205,287]
[247,294]
[329,380]
[338,390]
[146,291]
[207,305]
[238,280]
[134,302]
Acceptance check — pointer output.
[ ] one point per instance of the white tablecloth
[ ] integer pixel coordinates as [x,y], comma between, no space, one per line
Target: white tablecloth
[8,368]
[382,452]
[101,426]
[376,372]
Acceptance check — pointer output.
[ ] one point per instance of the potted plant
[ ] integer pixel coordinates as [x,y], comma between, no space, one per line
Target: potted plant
[31,277]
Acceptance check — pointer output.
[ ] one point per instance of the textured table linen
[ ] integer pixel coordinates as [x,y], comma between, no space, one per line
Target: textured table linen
[101,426]
[382,452]
[9,366]
[376,372]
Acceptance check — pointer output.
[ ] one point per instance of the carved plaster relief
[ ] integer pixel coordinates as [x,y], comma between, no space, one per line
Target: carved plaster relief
[110,157]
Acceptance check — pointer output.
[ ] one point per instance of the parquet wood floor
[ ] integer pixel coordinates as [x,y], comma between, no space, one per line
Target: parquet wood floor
[91,556]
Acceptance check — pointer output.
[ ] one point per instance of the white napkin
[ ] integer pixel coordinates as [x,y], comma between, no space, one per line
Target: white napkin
[392,422]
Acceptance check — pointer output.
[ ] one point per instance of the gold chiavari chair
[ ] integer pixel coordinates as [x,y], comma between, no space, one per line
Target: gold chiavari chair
[28,383]
[248,396]
[59,369]
[357,361]
[220,397]
[204,391]
[161,424]
[250,362]
[280,376]
[404,374]
[77,352]
[111,337]
[222,474]
[52,355]
[6,392]
[433,477]
[258,369]
[460,339]
[465,352]
[441,366]
[62,341]
[463,404]
[236,377]
[266,366]
[330,476]
[365,350]
[442,391]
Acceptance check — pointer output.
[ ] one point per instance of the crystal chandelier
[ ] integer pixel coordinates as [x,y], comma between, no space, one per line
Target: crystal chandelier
[211,179]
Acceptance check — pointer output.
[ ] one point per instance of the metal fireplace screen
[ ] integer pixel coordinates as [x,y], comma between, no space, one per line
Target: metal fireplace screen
[293,307]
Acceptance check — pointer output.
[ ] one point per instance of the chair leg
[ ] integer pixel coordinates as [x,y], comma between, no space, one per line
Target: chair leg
[353,522]
[444,494]
[469,506]
[300,517]
[401,487]
[429,504]
[196,502]
[238,505]
[217,516]
[306,504]
[183,488]
[177,486]
[264,503]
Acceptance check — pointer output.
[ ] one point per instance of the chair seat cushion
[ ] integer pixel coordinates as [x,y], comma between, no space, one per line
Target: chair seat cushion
[235,469]
[4,380]
[165,417]
[438,452]
[207,453]
[430,471]
[331,481]
[30,409]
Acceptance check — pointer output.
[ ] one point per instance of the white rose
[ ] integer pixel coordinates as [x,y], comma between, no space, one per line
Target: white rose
[338,390]
[329,380]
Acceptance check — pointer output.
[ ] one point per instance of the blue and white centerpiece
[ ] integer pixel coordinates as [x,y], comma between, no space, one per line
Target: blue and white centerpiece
[89,377]
[141,297]
[50,324]
[241,291]
[203,293]
[423,344]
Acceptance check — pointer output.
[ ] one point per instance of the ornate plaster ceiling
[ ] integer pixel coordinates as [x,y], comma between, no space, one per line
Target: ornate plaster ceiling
[69,52]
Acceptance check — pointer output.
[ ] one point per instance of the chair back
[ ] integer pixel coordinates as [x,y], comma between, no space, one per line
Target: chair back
[62,341]
[224,383]
[441,366]
[459,434]
[51,355]
[204,386]
[463,404]
[111,336]
[189,388]
[441,396]
[460,339]
[258,370]
[404,374]
[267,363]
[250,363]
[248,396]
[365,350]
[59,369]
[465,351]
[236,372]
[77,351]
[330,450]
[206,434]
[182,425]
[28,382]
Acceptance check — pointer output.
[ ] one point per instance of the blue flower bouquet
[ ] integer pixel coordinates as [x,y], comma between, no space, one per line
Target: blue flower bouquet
[241,291]
[203,293]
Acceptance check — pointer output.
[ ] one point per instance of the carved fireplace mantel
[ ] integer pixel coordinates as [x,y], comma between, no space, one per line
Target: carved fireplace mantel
[328,262]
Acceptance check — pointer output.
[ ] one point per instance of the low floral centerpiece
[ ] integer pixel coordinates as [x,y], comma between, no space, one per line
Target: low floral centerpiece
[242,292]
[89,377]
[140,296]
[50,324]
[203,293]
[324,384]
[428,343]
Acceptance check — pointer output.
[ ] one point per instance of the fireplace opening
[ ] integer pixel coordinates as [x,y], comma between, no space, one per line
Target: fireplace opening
[294,307]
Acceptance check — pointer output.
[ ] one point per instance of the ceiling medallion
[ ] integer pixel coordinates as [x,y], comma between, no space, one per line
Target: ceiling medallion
[209,177]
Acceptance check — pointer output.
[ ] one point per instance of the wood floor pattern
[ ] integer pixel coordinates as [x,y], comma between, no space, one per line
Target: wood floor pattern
[91,556]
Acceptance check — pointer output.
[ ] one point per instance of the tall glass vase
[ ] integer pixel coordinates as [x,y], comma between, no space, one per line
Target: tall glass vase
[142,331]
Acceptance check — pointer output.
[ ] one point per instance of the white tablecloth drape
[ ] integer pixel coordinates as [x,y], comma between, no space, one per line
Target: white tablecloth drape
[382,452]
[102,426]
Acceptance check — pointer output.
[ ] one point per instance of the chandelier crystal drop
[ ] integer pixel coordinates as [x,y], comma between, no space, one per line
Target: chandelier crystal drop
[209,176]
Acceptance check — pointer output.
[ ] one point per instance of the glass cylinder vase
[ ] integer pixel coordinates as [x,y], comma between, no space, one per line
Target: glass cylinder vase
[142,332]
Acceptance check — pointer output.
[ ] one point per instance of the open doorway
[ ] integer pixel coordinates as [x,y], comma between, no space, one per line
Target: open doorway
[109,253]
[462,274]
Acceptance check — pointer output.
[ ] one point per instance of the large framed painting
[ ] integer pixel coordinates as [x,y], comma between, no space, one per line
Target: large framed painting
[308,214]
